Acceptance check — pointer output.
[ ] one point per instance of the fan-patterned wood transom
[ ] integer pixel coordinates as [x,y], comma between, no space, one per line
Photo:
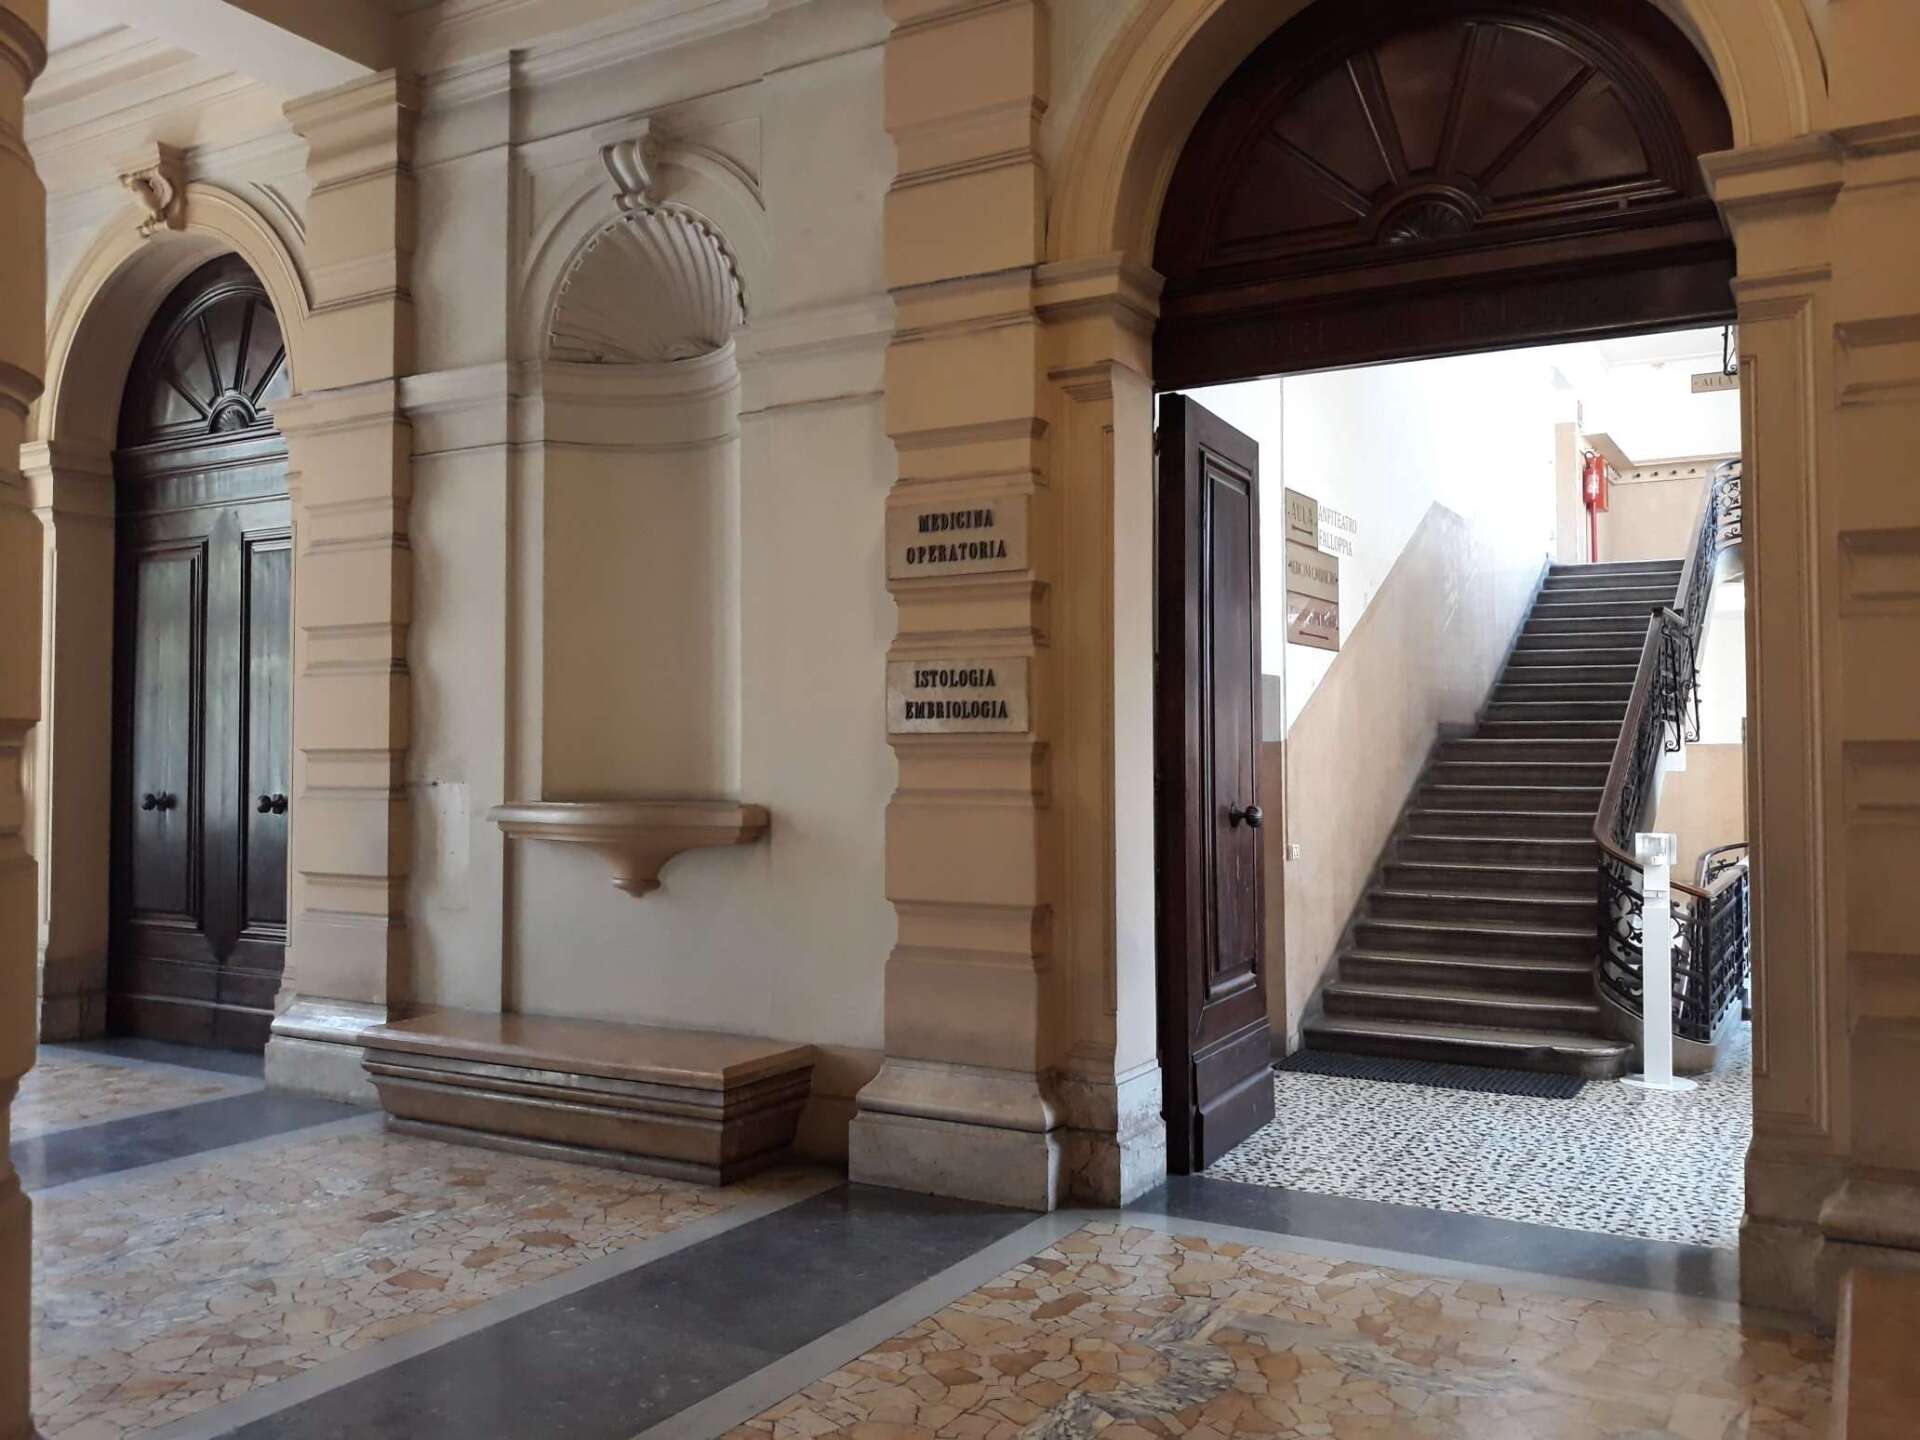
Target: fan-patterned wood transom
[1419,144]
[219,369]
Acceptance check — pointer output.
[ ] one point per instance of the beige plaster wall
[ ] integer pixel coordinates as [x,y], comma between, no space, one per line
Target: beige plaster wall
[626,586]
[1422,656]
[1650,519]
[1705,804]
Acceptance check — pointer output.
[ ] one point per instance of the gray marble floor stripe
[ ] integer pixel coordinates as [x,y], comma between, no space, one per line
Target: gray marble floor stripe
[134,1054]
[343,1120]
[767,1387]
[631,1351]
[302,1389]
[1705,1272]
[1662,1302]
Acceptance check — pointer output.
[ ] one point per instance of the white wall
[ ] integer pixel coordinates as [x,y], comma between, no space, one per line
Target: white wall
[1380,446]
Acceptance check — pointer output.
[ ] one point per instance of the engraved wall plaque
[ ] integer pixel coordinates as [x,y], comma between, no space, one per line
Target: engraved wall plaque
[958,697]
[1303,518]
[971,537]
[1313,597]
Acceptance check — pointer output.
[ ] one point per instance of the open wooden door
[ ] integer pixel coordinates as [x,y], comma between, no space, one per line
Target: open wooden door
[1215,1047]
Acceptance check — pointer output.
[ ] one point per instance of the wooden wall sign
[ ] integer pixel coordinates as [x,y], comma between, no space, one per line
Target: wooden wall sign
[1313,597]
[976,537]
[958,697]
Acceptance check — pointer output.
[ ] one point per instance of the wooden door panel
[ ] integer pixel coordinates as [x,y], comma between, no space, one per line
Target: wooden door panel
[265,745]
[1215,1043]
[168,595]
[1234,662]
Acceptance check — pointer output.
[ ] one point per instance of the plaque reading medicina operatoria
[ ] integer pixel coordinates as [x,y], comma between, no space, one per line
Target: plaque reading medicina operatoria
[961,538]
[957,697]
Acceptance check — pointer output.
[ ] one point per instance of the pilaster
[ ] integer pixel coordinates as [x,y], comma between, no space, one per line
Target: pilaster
[71,491]
[1830,356]
[349,472]
[23,219]
[963,1104]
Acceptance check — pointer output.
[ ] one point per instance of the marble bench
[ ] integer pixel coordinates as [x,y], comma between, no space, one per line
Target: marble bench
[688,1104]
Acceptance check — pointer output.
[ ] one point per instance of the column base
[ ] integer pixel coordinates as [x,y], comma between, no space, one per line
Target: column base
[80,1015]
[1017,1168]
[958,1130]
[1115,1140]
[315,1049]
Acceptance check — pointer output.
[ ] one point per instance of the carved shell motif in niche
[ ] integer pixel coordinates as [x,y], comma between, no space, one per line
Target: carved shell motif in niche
[656,285]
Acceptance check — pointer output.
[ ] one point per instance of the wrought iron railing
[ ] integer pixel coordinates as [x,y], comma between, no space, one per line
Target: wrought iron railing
[1711,933]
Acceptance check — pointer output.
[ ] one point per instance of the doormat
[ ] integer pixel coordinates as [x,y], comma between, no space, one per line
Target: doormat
[1436,1074]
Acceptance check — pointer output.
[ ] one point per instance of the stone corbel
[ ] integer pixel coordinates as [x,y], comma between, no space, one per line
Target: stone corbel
[156,176]
[635,837]
[634,163]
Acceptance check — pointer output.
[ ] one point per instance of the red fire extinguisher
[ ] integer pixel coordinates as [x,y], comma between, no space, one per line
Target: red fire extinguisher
[1593,490]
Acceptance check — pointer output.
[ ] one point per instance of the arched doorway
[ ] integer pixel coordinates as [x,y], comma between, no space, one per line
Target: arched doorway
[1382,182]
[202,670]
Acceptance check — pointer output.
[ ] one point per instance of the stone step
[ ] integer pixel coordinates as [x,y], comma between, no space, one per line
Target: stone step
[1597,647]
[1502,1009]
[1594,664]
[1467,905]
[1615,611]
[1614,710]
[1614,627]
[1569,978]
[1551,852]
[1588,774]
[1491,877]
[689,1104]
[1528,752]
[1616,567]
[1445,796]
[1477,937]
[1541,1050]
[1502,729]
[1648,595]
[1560,824]
[1520,688]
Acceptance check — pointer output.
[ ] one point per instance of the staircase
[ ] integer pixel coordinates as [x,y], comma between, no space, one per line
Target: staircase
[1475,942]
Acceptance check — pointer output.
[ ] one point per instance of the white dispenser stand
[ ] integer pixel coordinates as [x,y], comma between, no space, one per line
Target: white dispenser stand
[1656,853]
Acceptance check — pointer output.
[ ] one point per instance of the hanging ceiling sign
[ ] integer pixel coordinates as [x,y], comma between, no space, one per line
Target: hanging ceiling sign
[1714,381]
[1303,519]
[1313,597]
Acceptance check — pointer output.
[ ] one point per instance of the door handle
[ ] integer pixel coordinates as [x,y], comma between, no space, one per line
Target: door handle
[272,805]
[160,800]
[1252,814]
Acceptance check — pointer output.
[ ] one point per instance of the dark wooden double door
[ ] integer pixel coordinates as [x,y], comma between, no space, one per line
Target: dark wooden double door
[202,686]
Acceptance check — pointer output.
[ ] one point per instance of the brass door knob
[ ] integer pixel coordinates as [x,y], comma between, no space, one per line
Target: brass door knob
[1251,814]
[157,800]
[272,805]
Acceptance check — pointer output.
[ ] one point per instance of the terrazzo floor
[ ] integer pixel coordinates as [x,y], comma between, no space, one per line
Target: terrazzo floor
[64,1091]
[1133,1334]
[1615,1159]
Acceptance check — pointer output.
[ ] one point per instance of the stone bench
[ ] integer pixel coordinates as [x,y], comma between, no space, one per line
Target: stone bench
[688,1104]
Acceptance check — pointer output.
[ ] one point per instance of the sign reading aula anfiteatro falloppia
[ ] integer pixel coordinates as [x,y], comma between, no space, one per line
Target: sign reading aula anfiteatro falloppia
[948,697]
[975,537]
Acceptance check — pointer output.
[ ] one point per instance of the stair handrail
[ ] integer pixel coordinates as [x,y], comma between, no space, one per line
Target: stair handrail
[1711,948]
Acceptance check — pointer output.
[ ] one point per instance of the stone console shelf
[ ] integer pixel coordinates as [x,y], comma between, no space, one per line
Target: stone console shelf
[636,837]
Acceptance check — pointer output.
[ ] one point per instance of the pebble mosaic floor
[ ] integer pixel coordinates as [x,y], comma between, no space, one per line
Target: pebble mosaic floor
[1618,1160]
[1131,1334]
[62,1092]
[160,1296]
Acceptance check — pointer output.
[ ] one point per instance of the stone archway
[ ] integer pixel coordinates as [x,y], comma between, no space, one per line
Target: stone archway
[95,326]
[1020,998]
